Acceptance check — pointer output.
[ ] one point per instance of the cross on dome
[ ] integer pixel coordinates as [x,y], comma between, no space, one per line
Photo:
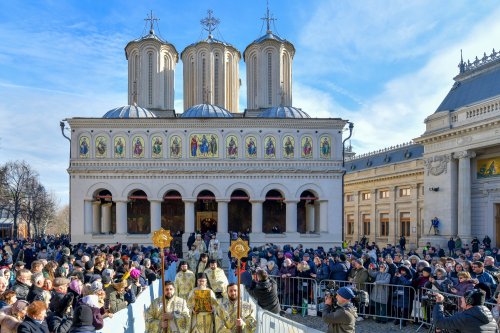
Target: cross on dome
[151,20]
[210,22]
[268,18]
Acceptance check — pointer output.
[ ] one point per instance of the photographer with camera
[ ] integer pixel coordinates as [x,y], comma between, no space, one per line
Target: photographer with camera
[475,318]
[339,313]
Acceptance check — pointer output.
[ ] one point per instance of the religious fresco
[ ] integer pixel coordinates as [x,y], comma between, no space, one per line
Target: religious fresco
[203,145]
[325,146]
[269,147]
[250,147]
[288,146]
[101,146]
[157,147]
[232,146]
[175,146]
[84,147]
[306,147]
[119,147]
[489,167]
[138,147]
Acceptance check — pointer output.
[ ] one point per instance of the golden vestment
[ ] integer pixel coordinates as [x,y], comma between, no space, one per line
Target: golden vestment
[226,322]
[180,323]
[192,258]
[217,280]
[184,283]
[202,322]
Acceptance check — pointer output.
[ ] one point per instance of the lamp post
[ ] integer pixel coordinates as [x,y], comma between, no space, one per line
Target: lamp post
[61,124]
[351,126]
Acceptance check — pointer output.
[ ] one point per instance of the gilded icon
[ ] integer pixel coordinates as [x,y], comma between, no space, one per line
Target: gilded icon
[204,146]
[270,147]
[288,146]
[250,147]
[101,147]
[157,147]
[175,146]
[306,151]
[84,147]
[138,147]
[119,144]
[325,147]
[232,146]
[487,168]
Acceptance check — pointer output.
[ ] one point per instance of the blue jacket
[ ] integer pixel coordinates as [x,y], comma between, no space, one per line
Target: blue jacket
[487,279]
[338,270]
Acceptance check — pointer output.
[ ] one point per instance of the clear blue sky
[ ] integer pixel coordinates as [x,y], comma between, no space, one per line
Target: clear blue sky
[385,65]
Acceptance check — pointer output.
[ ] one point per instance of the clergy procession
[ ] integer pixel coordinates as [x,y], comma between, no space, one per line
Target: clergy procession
[200,299]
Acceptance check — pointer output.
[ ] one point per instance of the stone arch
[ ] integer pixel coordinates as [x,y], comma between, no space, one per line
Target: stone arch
[137,186]
[313,188]
[169,187]
[278,187]
[100,186]
[209,187]
[240,186]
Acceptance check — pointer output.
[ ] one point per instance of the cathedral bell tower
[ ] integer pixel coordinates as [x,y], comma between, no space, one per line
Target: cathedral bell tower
[151,69]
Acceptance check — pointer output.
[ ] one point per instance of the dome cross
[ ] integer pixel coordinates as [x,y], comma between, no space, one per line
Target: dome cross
[210,22]
[268,18]
[151,20]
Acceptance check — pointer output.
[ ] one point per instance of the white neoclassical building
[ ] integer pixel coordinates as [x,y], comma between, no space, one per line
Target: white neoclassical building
[272,171]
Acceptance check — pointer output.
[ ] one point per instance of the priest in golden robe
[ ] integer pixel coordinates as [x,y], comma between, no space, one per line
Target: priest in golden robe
[228,321]
[203,306]
[217,279]
[184,281]
[177,316]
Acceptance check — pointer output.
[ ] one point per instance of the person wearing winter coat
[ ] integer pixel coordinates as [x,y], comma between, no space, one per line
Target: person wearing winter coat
[440,282]
[61,319]
[34,322]
[338,268]
[379,294]
[288,285]
[358,274]
[341,319]
[116,297]
[465,283]
[475,317]
[401,294]
[12,316]
[272,268]
[322,270]
[265,291]
[23,284]
[83,320]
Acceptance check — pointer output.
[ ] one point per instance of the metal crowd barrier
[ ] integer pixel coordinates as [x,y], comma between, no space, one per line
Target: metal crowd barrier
[297,293]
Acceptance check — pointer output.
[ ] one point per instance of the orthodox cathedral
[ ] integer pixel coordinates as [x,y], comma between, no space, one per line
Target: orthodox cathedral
[271,171]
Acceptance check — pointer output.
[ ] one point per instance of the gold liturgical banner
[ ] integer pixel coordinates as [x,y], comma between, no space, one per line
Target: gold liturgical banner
[489,167]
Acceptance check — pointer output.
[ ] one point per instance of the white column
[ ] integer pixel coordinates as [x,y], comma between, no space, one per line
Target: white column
[317,217]
[464,193]
[189,216]
[222,212]
[256,215]
[291,215]
[88,216]
[155,210]
[121,217]
[310,226]
[323,216]
[96,217]
[106,218]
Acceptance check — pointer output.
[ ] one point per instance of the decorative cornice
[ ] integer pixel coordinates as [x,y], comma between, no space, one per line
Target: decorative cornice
[378,178]
[380,151]
[319,176]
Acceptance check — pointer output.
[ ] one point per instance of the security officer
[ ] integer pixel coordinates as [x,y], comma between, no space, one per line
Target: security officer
[341,318]
[475,318]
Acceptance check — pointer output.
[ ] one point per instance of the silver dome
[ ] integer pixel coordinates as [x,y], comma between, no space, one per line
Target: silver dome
[206,111]
[129,111]
[283,112]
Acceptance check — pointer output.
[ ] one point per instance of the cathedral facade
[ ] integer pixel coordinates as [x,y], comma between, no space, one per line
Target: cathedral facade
[271,170]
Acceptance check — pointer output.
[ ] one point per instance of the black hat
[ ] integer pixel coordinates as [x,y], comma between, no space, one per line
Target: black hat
[20,263]
[88,265]
[427,269]
[201,276]
[83,316]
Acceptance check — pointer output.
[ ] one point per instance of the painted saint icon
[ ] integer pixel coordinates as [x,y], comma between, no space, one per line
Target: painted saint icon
[204,145]
[119,147]
[232,146]
[175,147]
[101,147]
[84,147]
[325,147]
[306,147]
[138,147]
[157,147]
[270,149]
[288,146]
[251,147]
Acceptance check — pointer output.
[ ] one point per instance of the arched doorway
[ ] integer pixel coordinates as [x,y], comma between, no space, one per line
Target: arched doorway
[206,212]
[306,213]
[172,212]
[240,212]
[138,213]
[104,215]
[274,213]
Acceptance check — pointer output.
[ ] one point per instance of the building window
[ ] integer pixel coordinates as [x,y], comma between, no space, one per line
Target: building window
[405,192]
[349,198]
[150,78]
[384,194]
[384,224]
[269,78]
[350,224]
[366,196]
[404,220]
[216,81]
[366,224]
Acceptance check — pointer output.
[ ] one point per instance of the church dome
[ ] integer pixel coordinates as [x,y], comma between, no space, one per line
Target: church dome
[129,111]
[283,112]
[206,111]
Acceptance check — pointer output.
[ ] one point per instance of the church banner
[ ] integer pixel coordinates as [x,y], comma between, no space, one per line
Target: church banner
[489,167]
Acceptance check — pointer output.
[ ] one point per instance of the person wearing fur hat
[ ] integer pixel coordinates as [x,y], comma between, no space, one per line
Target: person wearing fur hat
[202,319]
[343,317]
[12,316]
[440,282]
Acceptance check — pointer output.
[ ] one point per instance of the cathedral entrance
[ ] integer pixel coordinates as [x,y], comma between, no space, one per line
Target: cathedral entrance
[240,212]
[206,212]
[172,212]
[138,213]
[274,213]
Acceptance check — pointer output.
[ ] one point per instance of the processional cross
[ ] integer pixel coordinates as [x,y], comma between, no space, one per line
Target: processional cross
[162,239]
[239,249]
